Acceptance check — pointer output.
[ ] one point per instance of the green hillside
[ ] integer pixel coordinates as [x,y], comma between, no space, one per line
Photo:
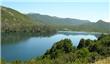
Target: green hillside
[14,21]
[56,20]
[72,24]
[99,26]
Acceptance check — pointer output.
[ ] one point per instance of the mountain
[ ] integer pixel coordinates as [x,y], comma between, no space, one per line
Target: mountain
[56,20]
[102,25]
[72,24]
[14,21]
[99,26]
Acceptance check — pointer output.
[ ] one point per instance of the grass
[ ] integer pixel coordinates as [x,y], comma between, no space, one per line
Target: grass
[103,61]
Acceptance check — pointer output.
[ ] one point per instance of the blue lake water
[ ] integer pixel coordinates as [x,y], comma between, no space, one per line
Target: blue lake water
[18,47]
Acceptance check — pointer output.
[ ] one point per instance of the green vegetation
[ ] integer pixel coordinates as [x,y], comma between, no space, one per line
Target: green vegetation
[72,24]
[63,46]
[63,52]
[14,21]
[56,20]
[99,26]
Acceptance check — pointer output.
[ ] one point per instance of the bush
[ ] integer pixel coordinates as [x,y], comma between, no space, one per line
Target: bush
[63,46]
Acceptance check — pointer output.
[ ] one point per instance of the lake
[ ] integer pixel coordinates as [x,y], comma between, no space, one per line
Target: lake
[27,46]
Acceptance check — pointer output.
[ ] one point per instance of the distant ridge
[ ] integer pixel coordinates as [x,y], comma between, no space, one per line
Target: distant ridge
[56,20]
[13,20]
[72,24]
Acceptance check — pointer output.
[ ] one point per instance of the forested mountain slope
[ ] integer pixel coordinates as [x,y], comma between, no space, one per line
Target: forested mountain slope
[56,20]
[14,21]
[99,26]
[72,24]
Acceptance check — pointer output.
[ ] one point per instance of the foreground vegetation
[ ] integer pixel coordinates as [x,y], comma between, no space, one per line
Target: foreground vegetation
[64,52]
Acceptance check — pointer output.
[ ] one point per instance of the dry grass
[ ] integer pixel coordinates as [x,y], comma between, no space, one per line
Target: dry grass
[104,61]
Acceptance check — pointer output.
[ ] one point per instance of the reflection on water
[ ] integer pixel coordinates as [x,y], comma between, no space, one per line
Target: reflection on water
[26,46]
[10,38]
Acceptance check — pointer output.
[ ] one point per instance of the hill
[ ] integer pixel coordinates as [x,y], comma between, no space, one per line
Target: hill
[71,24]
[14,21]
[56,20]
[99,26]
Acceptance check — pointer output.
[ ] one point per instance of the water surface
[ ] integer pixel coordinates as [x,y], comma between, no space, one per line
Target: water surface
[27,46]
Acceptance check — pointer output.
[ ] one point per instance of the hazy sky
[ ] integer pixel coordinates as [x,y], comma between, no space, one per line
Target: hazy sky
[55,0]
[92,10]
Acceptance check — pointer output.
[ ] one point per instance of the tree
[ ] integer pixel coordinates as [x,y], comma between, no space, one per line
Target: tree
[63,46]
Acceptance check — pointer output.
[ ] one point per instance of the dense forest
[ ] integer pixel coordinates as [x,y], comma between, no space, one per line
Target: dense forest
[63,52]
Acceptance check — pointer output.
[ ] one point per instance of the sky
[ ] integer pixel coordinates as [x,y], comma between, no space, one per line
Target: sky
[55,0]
[92,10]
